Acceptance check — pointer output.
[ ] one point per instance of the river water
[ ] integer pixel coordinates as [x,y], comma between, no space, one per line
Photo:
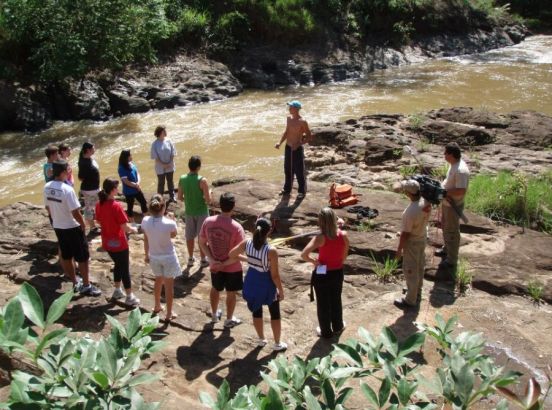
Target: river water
[236,137]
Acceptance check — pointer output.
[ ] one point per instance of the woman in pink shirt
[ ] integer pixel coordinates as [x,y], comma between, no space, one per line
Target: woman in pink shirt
[327,277]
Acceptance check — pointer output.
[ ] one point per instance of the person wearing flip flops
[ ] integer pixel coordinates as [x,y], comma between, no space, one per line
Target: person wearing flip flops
[327,277]
[296,134]
[114,223]
[219,234]
[412,244]
[262,284]
[193,189]
[160,253]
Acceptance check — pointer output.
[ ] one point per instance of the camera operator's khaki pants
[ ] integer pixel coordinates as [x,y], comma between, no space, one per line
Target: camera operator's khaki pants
[450,222]
[413,269]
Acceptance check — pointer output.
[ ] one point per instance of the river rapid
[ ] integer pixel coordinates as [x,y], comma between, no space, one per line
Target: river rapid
[236,137]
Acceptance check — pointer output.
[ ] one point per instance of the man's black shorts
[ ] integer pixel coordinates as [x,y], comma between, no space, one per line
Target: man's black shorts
[73,244]
[229,281]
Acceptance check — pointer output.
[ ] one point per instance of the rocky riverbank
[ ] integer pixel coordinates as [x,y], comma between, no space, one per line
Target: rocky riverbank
[184,79]
[368,153]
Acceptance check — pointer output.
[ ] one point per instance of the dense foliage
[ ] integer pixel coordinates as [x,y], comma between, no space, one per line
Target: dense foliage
[70,372]
[53,39]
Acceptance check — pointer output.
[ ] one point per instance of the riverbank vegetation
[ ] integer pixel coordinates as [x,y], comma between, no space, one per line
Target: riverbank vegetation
[51,40]
[513,198]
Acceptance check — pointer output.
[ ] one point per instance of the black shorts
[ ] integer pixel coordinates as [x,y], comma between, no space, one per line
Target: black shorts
[73,244]
[229,281]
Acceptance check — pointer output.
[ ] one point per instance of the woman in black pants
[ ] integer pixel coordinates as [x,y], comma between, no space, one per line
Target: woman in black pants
[131,184]
[115,226]
[327,277]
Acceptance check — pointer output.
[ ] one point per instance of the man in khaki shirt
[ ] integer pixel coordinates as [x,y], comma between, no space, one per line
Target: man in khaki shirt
[456,184]
[412,244]
[296,134]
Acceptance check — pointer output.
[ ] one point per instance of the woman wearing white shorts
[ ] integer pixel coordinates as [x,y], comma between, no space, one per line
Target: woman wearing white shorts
[160,253]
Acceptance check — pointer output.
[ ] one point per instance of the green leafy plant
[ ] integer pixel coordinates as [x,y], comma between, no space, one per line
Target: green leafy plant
[384,270]
[74,373]
[365,226]
[463,277]
[408,170]
[388,377]
[416,120]
[423,145]
[534,290]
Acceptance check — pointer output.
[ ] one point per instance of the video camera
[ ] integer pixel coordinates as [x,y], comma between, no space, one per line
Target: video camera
[430,189]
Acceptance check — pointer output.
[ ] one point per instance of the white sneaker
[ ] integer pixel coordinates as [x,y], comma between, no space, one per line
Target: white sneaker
[90,290]
[132,300]
[230,323]
[261,342]
[279,347]
[117,294]
[216,317]
[191,262]
[77,286]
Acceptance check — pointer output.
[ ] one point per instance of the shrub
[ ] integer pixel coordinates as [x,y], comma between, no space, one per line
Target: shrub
[513,198]
[384,270]
[463,277]
[534,290]
[465,377]
[74,372]
[408,170]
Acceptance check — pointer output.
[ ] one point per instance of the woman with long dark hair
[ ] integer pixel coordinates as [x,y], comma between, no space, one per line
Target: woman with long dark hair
[262,284]
[89,175]
[131,184]
[114,223]
[327,277]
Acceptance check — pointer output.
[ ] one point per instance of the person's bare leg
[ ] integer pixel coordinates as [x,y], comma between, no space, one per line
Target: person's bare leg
[83,268]
[259,328]
[169,296]
[276,329]
[201,253]
[157,286]
[69,269]
[230,304]
[190,246]
[214,298]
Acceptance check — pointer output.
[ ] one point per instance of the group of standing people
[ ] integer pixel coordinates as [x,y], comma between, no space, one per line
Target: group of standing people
[222,241]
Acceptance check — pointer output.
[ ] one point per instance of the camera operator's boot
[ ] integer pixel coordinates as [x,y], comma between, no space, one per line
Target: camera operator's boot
[441,252]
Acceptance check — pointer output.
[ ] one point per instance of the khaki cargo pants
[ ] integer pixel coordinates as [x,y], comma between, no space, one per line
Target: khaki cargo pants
[450,222]
[413,269]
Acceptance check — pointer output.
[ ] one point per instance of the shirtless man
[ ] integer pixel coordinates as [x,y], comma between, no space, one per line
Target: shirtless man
[296,134]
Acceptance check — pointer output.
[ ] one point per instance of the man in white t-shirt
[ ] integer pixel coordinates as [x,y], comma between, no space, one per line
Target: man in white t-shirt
[456,184]
[412,244]
[63,207]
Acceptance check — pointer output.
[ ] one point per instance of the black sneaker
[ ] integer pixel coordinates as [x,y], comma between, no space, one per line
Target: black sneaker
[284,193]
[440,252]
[401,304]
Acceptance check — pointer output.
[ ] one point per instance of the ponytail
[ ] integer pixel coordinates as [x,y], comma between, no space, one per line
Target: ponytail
[262,229]
[108,185]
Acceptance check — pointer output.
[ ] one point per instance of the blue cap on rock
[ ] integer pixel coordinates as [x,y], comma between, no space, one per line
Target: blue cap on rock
[295,104]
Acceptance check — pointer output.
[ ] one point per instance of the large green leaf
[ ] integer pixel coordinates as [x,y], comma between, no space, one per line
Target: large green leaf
[13,319]
[405,390]
[142,378]
[223,394]
[348,353]
[18,392]
[133,323]
[116,325]
[389,340]
[328,393]
[50,338]
[384,391]
[58,307]
[464,380]
[100,378]
[310,400]
[412,343]
[272,401]
[207,400]
[370,394]
[108,359]
[32,304]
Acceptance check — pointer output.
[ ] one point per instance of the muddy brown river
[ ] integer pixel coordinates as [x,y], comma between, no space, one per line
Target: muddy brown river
[236,137]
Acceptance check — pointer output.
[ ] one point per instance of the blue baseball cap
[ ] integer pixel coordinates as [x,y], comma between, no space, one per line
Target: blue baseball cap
[295,104]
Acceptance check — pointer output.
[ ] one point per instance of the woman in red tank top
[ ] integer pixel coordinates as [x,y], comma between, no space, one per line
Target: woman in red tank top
[327,277]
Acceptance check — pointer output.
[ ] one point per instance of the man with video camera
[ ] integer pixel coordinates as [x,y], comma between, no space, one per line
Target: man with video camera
[456,185]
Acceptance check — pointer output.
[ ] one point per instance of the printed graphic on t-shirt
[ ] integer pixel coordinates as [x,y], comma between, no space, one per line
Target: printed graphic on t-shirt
[53,194]
[219,243]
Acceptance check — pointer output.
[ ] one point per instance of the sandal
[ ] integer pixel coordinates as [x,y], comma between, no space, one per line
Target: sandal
[155,312]
[173,316]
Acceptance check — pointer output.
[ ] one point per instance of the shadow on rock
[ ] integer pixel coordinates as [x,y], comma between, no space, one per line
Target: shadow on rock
[204,352]
[281,214]
[323,346]
[244,371]
[183,286]
[443,291]
[404,327]
[89,318]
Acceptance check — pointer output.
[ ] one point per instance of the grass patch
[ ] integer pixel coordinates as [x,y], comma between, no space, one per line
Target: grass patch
[366,226]
[409,170]
[534,290]
[416,120]
[463,277]
[514,198]
[440,172]
[385,270]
